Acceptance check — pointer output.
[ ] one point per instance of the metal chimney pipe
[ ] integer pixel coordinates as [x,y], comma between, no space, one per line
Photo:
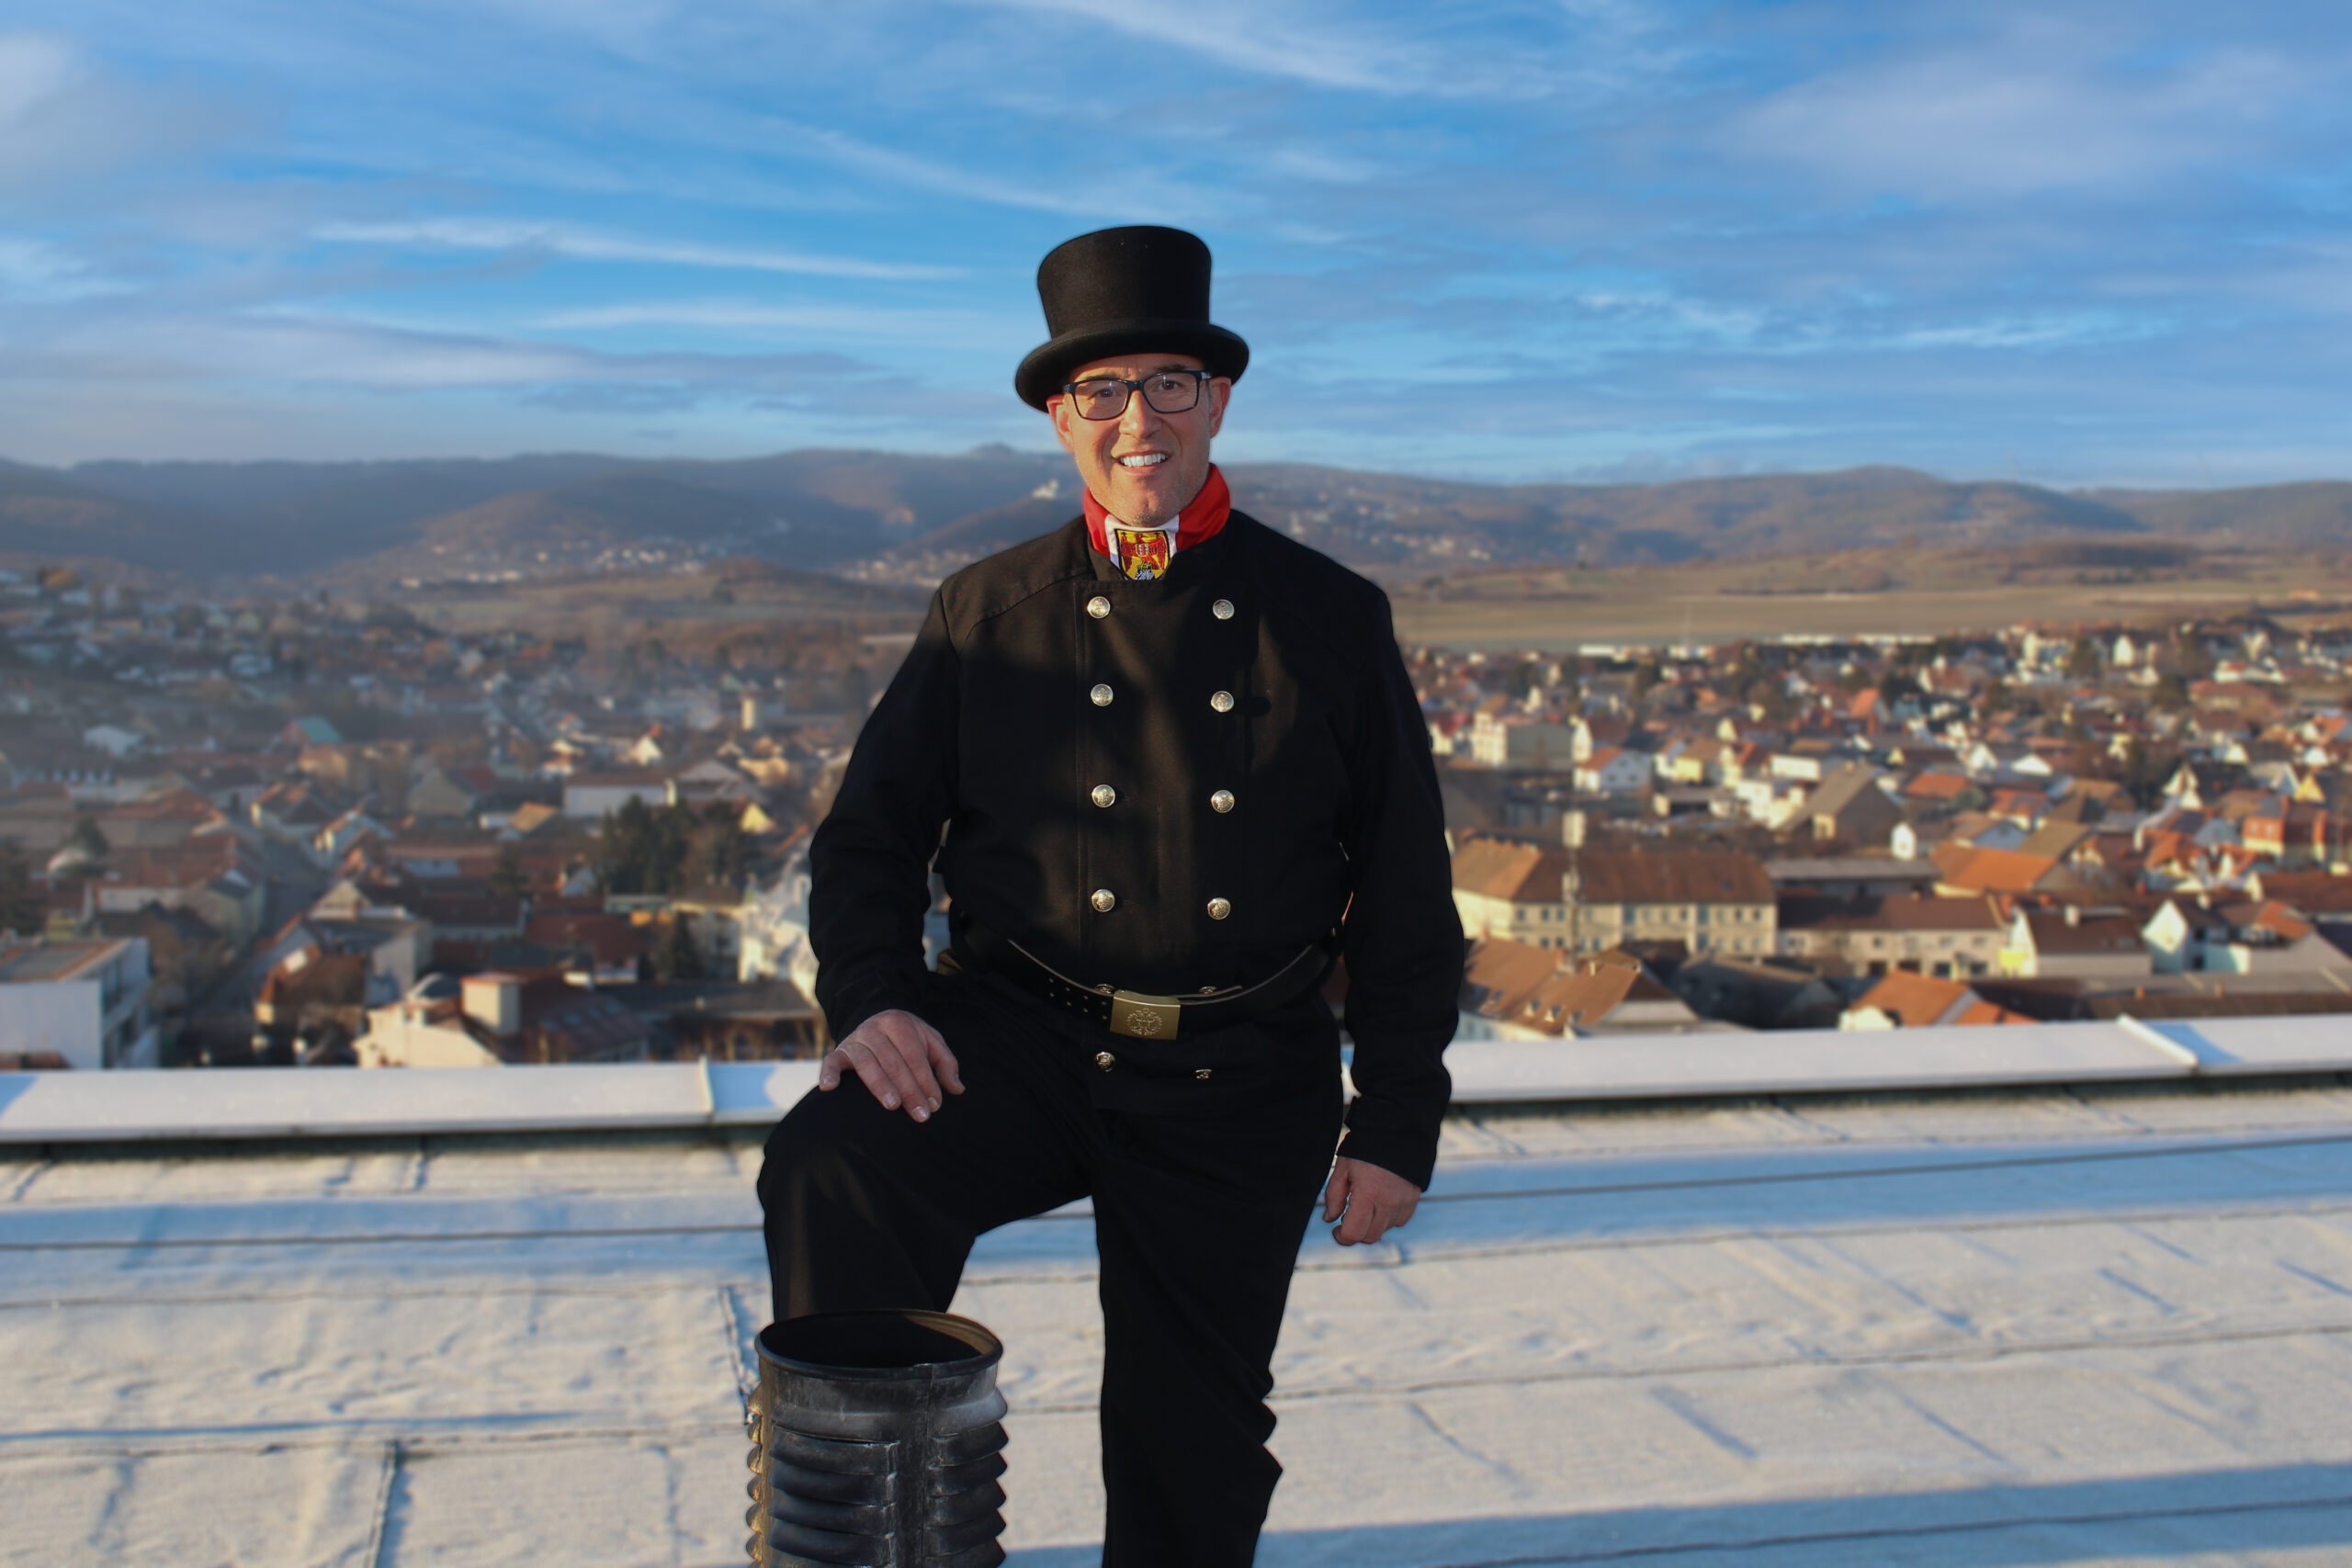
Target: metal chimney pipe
[876,1442]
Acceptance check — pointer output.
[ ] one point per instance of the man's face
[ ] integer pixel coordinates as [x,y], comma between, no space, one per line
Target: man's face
[1144,465]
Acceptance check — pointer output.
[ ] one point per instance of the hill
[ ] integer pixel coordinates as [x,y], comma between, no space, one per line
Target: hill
[909,519]
[2314,512]
[45,517]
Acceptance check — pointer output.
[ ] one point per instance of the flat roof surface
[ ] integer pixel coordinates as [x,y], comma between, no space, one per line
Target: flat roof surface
[2040,1327]
[51,960]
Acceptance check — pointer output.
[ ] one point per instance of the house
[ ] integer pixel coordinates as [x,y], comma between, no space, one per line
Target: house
[710,780]
[714,915]
[1504,887]
[1513,991]
[597,949]
[292,810]
[439,794]
[1751,994]
[1500,742]
[501,1018]
[1851,876]
[2312,894]
[316,996]
[397,946]
[1614,770]
[2070,945]
[1945,938]
[1965,869]
[723,1021]
[2057,840]
[1712,901]
[2289,832]
[1934,789]
[308,730]
[216,877]
[1921,1001]
[1849,806]
[331,843]
[2180,933]
[85,1002]
[591,796]
[2265,937]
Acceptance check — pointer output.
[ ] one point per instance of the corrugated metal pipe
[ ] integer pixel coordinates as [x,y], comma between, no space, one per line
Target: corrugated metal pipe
[876,1441]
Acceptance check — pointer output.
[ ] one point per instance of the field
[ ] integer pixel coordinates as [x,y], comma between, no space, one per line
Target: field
[1858,593]
[691,613]
[1849,593]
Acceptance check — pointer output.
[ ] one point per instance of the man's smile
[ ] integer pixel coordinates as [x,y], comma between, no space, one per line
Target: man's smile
[1143,459]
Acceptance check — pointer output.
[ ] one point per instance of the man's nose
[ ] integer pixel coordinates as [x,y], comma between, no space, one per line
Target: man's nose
[1140,418]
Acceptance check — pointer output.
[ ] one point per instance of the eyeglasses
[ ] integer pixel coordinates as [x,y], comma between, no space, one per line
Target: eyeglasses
[1166,391]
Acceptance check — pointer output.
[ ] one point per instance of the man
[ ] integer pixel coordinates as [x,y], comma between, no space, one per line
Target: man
[1178,766]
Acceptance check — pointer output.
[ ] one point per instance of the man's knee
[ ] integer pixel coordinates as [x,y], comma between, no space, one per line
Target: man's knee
[811,1151]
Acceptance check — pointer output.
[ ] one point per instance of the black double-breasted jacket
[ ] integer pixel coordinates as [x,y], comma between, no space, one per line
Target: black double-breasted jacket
[1164,786]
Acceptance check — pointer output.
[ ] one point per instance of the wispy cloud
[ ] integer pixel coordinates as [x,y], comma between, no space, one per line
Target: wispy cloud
[1424,53]
[35,69]
[35,273]
[2044,105]
[64,122]
[835,323]
[1547,234]
[580,245]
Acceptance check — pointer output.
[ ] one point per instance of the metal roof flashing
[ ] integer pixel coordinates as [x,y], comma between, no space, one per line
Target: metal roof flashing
[315,1102]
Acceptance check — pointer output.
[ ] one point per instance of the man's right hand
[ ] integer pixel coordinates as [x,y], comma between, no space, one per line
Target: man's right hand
[901,1059]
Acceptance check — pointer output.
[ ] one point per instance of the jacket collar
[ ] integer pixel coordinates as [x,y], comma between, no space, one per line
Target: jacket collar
[1202,517]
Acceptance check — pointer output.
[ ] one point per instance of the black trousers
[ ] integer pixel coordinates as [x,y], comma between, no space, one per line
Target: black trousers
[1201,1199]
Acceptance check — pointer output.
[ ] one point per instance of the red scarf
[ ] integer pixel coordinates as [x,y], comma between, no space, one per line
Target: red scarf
[1202,517]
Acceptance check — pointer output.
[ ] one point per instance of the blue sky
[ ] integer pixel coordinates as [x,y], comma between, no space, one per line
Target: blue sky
[1582,239]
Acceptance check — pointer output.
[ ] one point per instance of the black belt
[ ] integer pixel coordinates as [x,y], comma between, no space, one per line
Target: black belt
[1133,1013]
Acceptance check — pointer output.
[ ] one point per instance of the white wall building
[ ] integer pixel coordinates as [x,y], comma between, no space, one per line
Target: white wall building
[86,1001]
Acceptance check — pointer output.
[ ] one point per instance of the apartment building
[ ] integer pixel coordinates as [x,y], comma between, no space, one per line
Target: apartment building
[1589,900]
[85,1001]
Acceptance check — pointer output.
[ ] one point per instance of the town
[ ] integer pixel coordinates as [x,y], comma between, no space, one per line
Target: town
[309,831]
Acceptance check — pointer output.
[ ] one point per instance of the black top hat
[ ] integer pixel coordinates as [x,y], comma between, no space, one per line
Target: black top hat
[1124,291]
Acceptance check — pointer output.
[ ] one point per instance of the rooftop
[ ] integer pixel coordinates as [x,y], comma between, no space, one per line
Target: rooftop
[40,961]
[2092,1308]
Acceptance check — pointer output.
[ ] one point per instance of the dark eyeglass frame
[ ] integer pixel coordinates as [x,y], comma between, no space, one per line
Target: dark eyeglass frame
[1200,379]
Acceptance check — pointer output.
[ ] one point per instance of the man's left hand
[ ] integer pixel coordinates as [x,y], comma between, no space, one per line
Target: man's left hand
[1374,1202]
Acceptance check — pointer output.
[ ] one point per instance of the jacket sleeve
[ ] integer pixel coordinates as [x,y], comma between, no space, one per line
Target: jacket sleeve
[1402,937]
[870,861]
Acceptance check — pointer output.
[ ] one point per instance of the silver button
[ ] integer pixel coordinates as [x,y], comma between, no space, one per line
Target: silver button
[1104,796]
[1221,801]
[1105,1060]
[1221,701]
[1222,609]
[1101,695]
[1104,900]
[1220,908]
[1099,606]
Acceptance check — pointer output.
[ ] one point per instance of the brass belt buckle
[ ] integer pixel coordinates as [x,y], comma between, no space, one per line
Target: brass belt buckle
[1140,1017]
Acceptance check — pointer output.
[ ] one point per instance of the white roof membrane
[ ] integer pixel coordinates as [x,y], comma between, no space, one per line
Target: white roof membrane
[2107,1326]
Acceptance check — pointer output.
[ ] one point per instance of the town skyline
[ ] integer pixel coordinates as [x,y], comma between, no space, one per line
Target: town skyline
[334,829]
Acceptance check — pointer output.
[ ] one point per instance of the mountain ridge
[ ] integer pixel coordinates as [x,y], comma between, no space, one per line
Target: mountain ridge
[909,518]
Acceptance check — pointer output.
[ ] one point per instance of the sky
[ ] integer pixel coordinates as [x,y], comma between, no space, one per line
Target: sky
[2107,242]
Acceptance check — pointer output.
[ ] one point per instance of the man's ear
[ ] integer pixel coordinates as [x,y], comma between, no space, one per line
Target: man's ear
[1220,390]
[1057,409]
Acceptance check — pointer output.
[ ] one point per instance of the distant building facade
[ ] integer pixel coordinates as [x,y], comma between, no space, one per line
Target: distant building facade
[1588,900]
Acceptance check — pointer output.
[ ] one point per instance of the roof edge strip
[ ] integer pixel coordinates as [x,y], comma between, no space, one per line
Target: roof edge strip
[295,1103]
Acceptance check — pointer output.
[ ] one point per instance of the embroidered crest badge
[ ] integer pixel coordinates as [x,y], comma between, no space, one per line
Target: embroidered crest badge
[1143,553]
